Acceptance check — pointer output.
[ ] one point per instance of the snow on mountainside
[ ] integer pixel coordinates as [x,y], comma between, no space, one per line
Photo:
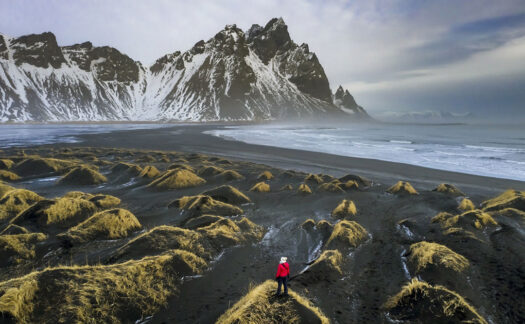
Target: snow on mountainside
[258,75]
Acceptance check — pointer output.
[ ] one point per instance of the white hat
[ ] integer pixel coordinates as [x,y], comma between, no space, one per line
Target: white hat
[283,259]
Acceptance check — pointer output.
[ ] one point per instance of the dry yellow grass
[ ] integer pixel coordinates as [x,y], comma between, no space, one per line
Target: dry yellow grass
[258,306]
[313,178]
[6,164]
[83,175]
[325,227]
[109,224]
[38,165]
[466,204]
[100,200]
[129,168]
[209,171]
[149,171]
[334,187]
[19,246]
[62,212]
[351,185]
[448,189]
[329,262]
[230,175]
[508,199]
[225,232]
[304,189]
[181,166]
[402,187]
[359,179]
[177,179]
[347,234]
[510,212]
[266,175]
[345,209]
[117,293]
[200,205]
[261,187]
[424,254]
[13,229]
[420,301]
[8,176]
[228,194]
[163,238]
[4,188]
[472,218]
[15,201]
[308,224]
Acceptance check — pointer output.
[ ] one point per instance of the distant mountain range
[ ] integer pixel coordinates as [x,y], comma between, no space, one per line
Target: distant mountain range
[260,74]
[426,117]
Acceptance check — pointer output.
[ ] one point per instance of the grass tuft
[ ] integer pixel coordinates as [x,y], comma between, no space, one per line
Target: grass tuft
[227,194]
[15,201]
[424,303]
[347,234]
[261,187]
[177,179]
[508,199]
[84,176]
[149,171]
[304,189]
[200,205]
[345,209]
[259,306]
[8,176]
[423,254]
[402,188]
[265,176]
[109,224]
[448,189]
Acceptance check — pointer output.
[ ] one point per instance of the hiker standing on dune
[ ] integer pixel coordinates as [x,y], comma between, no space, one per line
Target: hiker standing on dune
[283,272]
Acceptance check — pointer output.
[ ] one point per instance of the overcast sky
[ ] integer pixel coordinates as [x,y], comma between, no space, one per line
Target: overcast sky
[410,55]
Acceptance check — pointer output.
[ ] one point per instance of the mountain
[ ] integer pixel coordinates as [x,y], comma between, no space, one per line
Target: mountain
[260,74]
[432,117]
[346,102]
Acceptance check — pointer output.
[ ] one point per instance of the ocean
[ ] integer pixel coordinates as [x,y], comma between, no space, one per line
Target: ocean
[488,150]
[19,135]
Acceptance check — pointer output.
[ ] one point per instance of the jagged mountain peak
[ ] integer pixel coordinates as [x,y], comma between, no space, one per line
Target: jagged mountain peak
[346,102]
[260,74]
[40,50]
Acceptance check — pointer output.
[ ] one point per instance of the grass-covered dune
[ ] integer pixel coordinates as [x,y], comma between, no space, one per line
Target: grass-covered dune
[117,293]
[260,306]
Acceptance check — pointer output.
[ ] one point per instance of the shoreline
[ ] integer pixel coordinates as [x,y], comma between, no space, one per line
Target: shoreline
[190,138]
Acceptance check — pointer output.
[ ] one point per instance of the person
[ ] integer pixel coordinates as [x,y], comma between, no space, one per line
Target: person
[283,272]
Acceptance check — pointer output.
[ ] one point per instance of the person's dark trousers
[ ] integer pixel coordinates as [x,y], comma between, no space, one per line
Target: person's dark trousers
[282,281]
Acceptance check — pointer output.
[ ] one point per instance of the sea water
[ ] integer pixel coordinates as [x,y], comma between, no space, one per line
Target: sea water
[489,150]
[19,135]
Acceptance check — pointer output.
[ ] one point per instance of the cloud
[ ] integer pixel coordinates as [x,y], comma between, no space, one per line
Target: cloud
[377,48]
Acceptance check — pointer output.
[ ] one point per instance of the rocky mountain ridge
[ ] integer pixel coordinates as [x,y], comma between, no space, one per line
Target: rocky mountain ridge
[256,75]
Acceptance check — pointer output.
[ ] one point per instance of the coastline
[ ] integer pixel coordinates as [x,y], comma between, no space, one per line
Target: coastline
[190,138]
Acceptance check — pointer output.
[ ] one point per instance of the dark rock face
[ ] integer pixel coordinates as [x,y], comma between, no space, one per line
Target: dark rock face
[344,100]
[40,50]
[3,48]
[109,64]
[303,67]
[258,75]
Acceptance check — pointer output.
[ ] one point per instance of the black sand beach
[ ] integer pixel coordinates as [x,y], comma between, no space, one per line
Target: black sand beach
[191,139]
[354,243]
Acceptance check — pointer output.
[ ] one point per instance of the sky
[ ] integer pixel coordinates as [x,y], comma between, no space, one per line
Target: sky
[393,55]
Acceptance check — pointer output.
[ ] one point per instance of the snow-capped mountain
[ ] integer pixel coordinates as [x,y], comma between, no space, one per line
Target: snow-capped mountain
[258,75]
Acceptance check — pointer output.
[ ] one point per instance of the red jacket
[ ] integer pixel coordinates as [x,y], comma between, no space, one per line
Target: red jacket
[283,270]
